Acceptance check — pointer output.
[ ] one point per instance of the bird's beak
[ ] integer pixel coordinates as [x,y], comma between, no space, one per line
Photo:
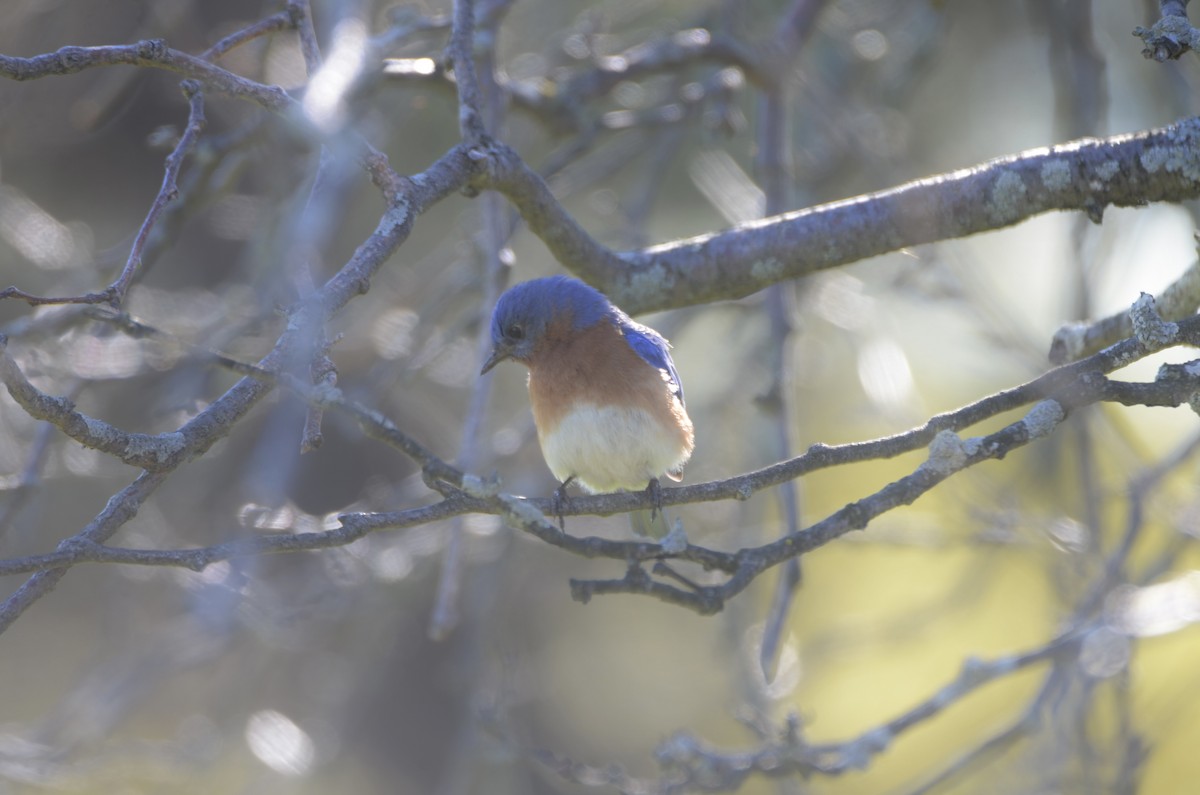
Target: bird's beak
[499,354]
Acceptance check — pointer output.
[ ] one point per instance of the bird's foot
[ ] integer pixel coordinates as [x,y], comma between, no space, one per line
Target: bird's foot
[560,501]
[654,492]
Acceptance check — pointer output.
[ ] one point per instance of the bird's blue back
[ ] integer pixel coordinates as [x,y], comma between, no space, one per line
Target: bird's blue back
[652,348]
[540,298]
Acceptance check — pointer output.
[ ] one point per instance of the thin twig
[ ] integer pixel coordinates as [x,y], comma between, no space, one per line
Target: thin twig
[300,14]
[149,52]
[272,24]
[461,52]
[166,194]
[38,453]
[79,551]
[121,507]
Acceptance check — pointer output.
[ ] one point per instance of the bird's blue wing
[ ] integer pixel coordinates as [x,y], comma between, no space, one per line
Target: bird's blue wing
[654,350]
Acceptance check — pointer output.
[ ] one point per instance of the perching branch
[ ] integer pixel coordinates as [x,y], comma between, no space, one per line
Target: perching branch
[1057,392]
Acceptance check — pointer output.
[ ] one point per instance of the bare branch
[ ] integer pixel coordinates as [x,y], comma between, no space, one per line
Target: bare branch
[1069,386]
[1075,340]
[300,15]
[1175,386]
[461,52]
[411,197]
[704,71]
[1059,390]
[1088,175]
[39,450]
[150,452]
[121,507]
[167,193]
[682,49]
[1171,36]
[272,24]
[150,52]
[115,293]
[690,764]
[78,550]
[48,300]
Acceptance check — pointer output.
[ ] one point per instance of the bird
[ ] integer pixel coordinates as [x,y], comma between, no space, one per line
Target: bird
[607,400]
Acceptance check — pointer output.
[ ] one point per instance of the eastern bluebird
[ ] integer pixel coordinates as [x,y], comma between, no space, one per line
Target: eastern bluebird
[607,401]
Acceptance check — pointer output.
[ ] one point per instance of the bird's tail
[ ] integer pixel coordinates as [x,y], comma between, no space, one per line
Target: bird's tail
[650,523]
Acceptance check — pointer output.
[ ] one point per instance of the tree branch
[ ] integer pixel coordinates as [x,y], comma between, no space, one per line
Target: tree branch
[461,54]
[1171,36]
[272,24]
[166,194]
[1180,299]
[153,453]
[1058,391]
[408,198]
[121,507]
[149,52]
[1089,175]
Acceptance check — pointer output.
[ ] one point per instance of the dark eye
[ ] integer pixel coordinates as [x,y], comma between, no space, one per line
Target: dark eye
[515,332]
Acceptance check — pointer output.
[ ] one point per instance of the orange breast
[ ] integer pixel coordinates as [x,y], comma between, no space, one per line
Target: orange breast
[596,367]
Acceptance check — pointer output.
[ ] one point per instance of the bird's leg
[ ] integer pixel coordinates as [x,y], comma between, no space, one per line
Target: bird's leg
[559,502]
[654,492]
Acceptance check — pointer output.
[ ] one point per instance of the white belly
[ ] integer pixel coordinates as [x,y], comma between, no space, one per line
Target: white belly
[607,449]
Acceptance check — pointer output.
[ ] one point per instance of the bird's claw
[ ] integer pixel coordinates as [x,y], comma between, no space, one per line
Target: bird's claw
[654,492]
[560,501]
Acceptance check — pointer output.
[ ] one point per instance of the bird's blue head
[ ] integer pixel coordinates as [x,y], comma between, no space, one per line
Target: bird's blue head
[526,310]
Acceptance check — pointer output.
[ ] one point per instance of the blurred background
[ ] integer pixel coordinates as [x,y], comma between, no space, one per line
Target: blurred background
[317,672]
